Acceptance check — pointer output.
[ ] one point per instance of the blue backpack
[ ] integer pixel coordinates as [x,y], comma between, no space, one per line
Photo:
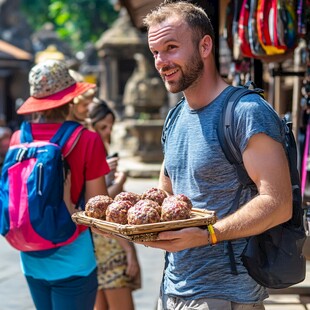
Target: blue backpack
[267,255]
[33,215]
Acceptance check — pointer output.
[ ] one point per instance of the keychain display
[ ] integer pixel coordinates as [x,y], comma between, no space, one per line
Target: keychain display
[264,29]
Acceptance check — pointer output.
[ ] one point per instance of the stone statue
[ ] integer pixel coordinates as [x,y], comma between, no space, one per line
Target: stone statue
[14,28]
[144,92]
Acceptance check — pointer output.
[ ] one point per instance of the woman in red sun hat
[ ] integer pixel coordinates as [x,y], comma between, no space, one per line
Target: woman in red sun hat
[66,278]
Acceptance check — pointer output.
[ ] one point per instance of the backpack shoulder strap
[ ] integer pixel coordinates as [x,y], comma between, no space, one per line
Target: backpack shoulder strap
[25,132]
[67,136]
[226,130]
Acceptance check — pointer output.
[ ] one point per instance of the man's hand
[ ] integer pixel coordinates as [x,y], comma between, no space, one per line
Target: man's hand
[113,163]
[178,240]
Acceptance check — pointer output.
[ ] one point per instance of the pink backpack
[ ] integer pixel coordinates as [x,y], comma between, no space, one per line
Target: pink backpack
[33,215]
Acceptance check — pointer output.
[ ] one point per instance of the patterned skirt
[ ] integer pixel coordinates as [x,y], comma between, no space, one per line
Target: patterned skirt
[112,264]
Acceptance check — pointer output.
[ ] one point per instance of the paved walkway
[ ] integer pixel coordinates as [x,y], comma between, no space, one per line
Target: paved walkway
[14,293]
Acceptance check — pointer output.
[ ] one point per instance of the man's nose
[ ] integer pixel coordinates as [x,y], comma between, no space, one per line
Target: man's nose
[160,61]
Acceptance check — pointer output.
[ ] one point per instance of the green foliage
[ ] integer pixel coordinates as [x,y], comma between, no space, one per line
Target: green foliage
[76,21]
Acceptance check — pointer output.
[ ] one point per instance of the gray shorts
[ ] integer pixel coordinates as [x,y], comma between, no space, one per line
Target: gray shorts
[175,303]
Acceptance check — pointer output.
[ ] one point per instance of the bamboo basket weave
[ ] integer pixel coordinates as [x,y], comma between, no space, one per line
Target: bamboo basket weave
[145,232]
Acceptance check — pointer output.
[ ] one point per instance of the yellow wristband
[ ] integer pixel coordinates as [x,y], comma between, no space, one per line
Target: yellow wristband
[209,239]
[212,234]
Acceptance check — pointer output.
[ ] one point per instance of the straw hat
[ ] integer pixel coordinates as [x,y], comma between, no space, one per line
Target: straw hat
[51,86]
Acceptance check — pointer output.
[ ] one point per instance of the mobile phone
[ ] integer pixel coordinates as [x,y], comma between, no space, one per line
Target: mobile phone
[112,156]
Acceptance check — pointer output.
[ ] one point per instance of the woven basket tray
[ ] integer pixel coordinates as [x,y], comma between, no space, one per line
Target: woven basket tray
[145,232]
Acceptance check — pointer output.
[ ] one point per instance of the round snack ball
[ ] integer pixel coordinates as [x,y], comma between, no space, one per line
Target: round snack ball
[132,197]
[155,194]
[184,198]
[142,214]
[175,210]
[179,197]
[150,203]
[117,211]
[96,206]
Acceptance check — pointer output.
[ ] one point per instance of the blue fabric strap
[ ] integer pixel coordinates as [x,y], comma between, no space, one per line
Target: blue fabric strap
[60,138]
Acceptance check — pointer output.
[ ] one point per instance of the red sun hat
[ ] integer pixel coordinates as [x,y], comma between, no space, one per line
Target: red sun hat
[51,86]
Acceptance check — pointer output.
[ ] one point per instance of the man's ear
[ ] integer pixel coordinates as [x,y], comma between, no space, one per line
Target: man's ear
[206,46]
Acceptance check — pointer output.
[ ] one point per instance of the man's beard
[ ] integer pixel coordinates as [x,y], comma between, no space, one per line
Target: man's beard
[191,73]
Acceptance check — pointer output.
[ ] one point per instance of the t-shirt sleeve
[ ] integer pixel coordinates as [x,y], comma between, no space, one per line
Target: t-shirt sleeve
[254,115]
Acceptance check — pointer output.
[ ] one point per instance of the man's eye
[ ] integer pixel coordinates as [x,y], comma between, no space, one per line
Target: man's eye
[171,47]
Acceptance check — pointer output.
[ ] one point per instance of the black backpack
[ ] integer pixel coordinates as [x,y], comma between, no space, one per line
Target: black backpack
[274,258]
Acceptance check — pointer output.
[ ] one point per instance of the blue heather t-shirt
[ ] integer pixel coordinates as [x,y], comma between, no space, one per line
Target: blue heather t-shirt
[197,167]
